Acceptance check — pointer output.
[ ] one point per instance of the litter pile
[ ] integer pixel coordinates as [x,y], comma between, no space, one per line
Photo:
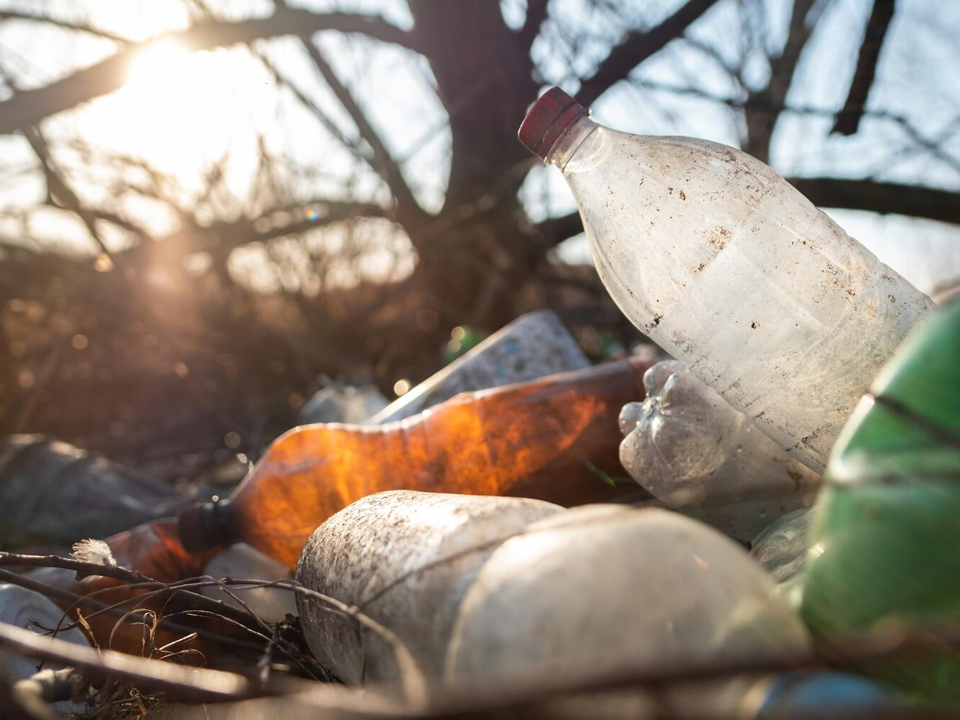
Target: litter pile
[782,544]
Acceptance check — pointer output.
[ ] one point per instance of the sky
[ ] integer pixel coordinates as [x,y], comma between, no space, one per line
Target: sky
[182,111]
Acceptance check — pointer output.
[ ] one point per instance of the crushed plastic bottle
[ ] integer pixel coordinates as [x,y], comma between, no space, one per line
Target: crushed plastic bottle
[690,449]
[884,547]
[405,559]
[554,439]
[531,347]
[603,589]
[725,265]
[54,493]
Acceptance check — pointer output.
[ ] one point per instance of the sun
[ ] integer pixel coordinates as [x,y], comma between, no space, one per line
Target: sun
[161,65]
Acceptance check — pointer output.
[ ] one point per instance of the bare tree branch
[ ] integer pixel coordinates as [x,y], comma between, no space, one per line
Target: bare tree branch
[65,24]
[354,146]
[230,235]
[761,111]
[58,190]
[848,119]
[892,198]
[31,106]
[637,47]
[382,162]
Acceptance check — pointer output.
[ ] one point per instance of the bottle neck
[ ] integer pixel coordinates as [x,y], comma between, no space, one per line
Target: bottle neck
[570,141]
[208,525]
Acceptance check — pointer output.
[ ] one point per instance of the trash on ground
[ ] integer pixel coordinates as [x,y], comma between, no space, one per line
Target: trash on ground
[883,549]
[440,573]
[54,493]
[729,268]
[603,589]
[30,610]
[404,559]
[342,404]
[552,439]
[531,347]
[242,562]
[689,448]
[782,547]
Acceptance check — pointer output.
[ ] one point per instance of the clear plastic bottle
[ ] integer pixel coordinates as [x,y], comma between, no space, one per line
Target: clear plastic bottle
[729,268]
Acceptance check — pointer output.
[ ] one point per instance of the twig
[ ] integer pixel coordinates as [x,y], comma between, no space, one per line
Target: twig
[181,682]
[81,567]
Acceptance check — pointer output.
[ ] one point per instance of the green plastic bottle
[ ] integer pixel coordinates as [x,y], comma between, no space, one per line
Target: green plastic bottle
[884,548]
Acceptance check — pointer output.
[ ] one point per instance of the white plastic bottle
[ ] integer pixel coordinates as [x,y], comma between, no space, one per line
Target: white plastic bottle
[726,266]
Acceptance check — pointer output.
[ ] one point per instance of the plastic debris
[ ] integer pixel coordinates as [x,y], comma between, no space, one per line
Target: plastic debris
[27,609]
[342,404]
[884,548]
[242,562]
[690,449]
[54,493]
[727,267]
[604,589]
[405,559]
[553,439]
[531,347]
[782,547]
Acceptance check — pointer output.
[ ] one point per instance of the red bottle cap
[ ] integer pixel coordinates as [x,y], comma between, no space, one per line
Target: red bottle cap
[546,120]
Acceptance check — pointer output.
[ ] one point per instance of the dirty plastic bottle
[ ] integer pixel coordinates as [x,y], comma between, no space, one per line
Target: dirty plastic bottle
[405,558]
[533,346]
[690,449]
[884,548]
[726,266]
[554,439]
[603,590]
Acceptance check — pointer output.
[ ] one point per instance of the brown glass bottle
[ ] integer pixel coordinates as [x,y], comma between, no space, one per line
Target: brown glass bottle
[553,439]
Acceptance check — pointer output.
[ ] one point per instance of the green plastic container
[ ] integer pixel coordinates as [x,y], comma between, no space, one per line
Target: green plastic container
[884,549]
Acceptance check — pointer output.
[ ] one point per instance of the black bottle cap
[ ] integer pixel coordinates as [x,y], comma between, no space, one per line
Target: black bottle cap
[207,525]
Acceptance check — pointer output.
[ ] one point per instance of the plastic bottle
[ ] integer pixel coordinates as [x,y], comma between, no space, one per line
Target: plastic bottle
[54,493]
[782,547]
[554,439]
[404,558]
[884,548]
[690,449]
[604,589]
[242,562]
[726,266]
[342,403]
[533,346]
